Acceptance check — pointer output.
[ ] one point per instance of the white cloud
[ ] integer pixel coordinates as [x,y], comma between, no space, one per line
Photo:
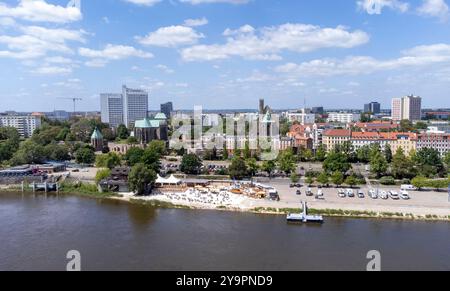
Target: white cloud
[171,36]
[111,52]
[52,70]
[37,41]
[377,6]
[143,2]
[268,42]
[165,69]
[196,22]
[434,8]
[356,65]
[196,2]
[41,11]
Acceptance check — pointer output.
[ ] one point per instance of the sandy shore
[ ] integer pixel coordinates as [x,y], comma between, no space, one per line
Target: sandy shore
[422,204]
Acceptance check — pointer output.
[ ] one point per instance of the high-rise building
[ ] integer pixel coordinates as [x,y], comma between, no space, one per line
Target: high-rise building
[261,106]
[25,124]
[135,105]
[112,109]
[373,107]
[167,109]
[407,108]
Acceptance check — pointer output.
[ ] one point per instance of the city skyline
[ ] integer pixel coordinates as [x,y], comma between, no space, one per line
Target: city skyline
[192,53]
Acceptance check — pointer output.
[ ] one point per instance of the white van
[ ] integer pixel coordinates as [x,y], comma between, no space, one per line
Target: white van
[408,188]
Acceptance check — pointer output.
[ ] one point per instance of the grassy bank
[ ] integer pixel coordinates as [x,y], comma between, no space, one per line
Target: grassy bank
[158,204]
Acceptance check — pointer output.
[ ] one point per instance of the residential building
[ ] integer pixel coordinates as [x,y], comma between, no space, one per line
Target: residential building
[167,109]
[112,109]
[439,126]
[135,105]
[333,137]
[373,107]
[25,124]
[407,108]
[302,118]
[377,126]
[440,142]
[405,140]
[58,115]
[442,115]
[343,117]
[317,110]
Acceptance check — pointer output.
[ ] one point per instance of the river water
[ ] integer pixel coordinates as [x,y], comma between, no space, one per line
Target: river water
[37,232]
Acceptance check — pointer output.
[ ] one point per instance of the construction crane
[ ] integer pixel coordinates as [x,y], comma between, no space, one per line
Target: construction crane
[74,102]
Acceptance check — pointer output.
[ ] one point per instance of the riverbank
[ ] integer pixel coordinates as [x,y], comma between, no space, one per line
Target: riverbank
[339,208]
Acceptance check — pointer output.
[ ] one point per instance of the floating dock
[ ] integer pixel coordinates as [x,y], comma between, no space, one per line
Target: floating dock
[304,217]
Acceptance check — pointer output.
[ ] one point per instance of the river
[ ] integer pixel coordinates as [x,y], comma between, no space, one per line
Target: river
[37,232]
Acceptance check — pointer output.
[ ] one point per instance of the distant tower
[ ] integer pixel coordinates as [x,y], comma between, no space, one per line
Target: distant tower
[97,140]
[261,106]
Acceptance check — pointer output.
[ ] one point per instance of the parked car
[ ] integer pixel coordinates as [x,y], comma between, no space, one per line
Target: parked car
[373,194]
[361,195]
[341,194]
[405,195]
[299,192]
[384,195]
[350,193]
[394,195]
[309,192]
[408,188]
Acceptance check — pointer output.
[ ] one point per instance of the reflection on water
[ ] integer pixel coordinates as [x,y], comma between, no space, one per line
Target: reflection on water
[37,232]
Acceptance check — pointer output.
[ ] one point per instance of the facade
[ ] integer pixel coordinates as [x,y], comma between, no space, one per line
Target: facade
[333,137]
[167,109]
[440,142]
[373,107]
[407,108]
[302,118]
[377,126]
[25,124]
[135,105]
[344,117]
[439,127]
[112,109]
[148,129]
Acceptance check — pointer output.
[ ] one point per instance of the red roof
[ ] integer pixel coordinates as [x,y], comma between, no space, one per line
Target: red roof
[338,132]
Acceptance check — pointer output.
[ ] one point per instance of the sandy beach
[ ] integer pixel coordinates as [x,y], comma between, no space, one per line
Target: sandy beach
[421,204]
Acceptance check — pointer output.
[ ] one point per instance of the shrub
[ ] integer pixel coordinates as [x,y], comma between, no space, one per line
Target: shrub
[387,180]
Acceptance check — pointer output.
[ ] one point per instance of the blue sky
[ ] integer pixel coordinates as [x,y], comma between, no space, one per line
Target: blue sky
[224,53]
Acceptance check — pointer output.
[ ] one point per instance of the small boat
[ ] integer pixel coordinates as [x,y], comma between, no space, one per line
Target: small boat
[304,217]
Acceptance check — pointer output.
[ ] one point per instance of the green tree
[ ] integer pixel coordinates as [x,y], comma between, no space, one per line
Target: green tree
[269,167]
[286,161]
[429,162]
[309,181]
[122,132]
[85,155]
[29,153]
[191,164]
[133,156]
[109,160]
[152,159]
[225,153]
[57,152]
[363,154]
[419,182]
[247,151]
[321,154]
[402,167]
[140,178]
[295,178]
[406,126]
[447,161]
[102,174]
[388,153]
[323,179]
[351,181]
[337,178]
[158,146]
[336,161]
[252,166]
[238,169]
[378,164]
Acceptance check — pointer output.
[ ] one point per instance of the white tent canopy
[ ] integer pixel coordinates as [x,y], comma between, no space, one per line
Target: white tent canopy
[172,180]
